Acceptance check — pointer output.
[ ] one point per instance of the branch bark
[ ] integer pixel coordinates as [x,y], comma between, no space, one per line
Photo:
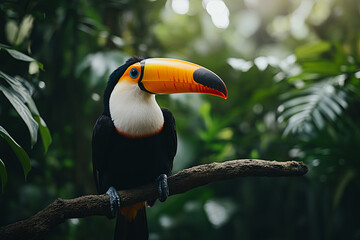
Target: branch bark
[57,212]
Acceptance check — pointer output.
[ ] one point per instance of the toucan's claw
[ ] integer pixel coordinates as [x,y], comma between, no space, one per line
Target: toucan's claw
[163,188]
[114,200]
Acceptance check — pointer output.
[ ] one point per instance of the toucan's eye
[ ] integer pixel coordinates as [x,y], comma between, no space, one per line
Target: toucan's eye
[134,73]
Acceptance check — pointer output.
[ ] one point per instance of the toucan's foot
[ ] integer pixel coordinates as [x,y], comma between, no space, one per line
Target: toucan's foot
[163,188]
[114,200]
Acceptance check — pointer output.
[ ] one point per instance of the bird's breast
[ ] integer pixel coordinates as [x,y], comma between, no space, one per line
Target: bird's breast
[135,113]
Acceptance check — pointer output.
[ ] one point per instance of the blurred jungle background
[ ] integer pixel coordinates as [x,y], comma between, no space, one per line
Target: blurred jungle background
[292,69]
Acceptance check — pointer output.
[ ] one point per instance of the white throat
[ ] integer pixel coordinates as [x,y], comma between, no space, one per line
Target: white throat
[133,111]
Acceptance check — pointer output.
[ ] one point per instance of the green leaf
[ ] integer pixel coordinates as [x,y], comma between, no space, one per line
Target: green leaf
[4,46]
[305,76]
[25,95]
[321,67]
[22,91]
[44,132]
[41,66]
[19,151]
[21,56]
[312,50]
[23,111]
[314,106]
[3,175]
[326,110]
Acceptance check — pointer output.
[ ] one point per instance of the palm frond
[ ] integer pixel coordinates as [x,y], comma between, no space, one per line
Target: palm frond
[313,107]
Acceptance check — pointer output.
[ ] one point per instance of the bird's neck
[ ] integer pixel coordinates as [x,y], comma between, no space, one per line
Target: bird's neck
[134,112]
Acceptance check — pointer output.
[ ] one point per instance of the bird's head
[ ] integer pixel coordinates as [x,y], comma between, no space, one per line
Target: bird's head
[163,76]
[131,89]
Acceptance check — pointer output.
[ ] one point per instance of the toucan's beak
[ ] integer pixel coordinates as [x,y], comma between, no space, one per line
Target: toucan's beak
[164,76]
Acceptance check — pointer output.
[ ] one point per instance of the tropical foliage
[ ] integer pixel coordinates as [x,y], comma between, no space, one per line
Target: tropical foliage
[293,73]
[18,91]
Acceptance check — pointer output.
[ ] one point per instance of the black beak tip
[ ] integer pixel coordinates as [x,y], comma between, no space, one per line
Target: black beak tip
[209,79]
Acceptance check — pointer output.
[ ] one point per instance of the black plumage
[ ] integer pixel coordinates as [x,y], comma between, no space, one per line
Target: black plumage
[125,162]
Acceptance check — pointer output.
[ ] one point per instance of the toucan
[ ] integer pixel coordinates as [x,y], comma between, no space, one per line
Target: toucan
[134,141]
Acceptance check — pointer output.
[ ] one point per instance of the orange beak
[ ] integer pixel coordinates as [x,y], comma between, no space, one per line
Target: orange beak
[165,76]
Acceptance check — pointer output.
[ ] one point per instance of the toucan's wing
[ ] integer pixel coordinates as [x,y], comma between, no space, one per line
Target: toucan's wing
[100,143]
[170,131]
[170,143]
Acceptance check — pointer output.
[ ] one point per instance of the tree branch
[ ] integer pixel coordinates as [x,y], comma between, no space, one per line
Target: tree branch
[57,212]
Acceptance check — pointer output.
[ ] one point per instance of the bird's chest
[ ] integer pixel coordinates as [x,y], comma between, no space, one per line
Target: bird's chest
[137,161]
[134,112]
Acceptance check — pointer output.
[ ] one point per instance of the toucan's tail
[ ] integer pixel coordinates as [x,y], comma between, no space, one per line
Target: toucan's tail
[135,228]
